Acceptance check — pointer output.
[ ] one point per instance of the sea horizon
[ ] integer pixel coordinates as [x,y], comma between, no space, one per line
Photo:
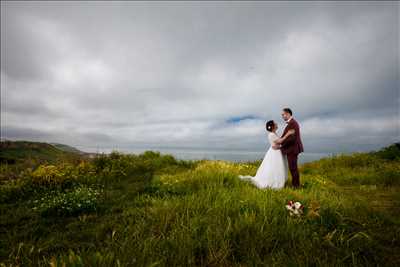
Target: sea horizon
[200,154]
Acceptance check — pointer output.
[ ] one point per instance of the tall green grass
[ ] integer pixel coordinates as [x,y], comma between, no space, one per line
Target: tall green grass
[154,210]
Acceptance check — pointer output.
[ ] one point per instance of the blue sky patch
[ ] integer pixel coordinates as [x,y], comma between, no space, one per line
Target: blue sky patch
[239,119]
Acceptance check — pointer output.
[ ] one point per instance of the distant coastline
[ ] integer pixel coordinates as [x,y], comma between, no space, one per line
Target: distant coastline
[181,153]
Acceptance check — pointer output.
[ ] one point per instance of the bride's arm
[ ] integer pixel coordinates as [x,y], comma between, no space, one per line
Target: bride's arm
[280,140]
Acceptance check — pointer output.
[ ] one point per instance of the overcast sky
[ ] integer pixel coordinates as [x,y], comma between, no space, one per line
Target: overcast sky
[200,75]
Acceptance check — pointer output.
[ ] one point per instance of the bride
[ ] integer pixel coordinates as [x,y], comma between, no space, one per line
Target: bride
[273,171]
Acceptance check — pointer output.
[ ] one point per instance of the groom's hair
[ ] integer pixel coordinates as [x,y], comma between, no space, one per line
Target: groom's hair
[288,110]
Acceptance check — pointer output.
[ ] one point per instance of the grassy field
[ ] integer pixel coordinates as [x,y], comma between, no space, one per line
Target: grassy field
[154,210]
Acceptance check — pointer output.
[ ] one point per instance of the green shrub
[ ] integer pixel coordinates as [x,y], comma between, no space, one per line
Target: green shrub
[390,153]
[117,167]
[54,176]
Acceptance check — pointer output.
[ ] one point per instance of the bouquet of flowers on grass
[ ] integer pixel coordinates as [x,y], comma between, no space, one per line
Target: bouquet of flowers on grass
[295,208]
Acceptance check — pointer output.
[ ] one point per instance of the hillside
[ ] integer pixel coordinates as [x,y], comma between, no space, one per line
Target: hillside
[67,148]
[22,151]
[154,210]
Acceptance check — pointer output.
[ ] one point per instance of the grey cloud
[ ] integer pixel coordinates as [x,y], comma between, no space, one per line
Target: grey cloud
[172,73]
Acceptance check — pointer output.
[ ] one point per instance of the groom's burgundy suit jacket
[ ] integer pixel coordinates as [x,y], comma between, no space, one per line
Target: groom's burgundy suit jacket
[292,145]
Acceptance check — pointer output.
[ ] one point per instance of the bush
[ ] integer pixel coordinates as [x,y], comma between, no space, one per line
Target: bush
[117,166]
[390,153]
[53,176]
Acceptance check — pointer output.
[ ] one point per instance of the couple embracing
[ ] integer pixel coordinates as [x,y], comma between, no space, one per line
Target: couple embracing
[281,156]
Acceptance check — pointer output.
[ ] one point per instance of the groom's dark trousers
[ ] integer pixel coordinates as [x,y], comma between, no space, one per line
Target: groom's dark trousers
[292,147]
[292,162]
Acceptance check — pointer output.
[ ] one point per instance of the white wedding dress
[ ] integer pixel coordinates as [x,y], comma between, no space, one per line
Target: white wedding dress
[273,171]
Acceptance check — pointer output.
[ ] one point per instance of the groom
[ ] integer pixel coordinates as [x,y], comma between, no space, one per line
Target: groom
[291,146]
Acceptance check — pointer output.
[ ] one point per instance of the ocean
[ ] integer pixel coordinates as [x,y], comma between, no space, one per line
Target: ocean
[229,155]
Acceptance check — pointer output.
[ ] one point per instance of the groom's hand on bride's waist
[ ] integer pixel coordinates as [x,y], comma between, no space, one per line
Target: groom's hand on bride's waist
[276,146]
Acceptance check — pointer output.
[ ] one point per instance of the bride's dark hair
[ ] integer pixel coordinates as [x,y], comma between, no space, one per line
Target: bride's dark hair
[270,125]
